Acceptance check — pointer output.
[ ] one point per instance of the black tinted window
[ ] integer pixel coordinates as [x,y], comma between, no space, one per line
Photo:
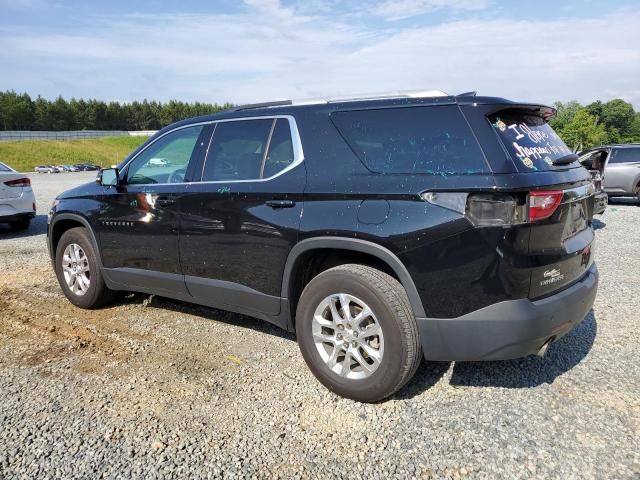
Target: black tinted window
[531,142]
[237,150]
[280,154]
[425,140]
[624,155]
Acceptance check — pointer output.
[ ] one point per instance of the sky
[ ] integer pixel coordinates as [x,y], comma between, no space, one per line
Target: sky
[260,50]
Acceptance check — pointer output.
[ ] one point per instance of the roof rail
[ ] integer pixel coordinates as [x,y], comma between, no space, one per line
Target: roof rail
[373,96]
[249,106]
[347,98]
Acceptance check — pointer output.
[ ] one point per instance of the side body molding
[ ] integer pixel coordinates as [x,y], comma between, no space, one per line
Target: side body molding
[357,245]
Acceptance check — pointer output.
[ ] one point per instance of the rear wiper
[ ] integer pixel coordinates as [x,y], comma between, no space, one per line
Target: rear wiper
[572,157]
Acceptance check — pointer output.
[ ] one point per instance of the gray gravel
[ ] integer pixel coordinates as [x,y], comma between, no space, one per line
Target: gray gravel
[151,388]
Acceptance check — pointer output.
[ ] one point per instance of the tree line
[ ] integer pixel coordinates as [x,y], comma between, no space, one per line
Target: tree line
[580,126]
[598,123]
[21,112]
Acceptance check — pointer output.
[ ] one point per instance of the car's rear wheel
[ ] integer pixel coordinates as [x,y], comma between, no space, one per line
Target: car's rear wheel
[20,225]
[357,332]
[78,272]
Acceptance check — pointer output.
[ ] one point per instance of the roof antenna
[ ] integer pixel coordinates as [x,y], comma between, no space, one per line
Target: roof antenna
[467,94]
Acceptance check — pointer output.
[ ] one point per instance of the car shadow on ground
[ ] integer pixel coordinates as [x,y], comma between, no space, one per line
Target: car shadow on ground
[598,224]
[38,226]
[223,316]
[527,372]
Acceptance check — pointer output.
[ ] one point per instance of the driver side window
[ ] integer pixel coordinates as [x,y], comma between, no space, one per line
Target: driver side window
[166,160]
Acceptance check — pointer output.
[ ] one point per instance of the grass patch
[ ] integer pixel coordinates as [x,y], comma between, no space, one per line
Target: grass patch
[25,155]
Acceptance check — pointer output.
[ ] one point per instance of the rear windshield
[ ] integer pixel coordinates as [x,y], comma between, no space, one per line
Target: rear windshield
[4,168]
[531,142]
[423,140]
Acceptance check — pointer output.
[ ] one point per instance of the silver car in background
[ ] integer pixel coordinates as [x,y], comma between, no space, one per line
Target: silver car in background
[619,166]
[17,202]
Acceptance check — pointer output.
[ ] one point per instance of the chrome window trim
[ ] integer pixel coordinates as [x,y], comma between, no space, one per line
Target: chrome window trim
[298,153]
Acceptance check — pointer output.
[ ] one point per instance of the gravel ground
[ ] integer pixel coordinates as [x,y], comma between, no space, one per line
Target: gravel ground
[154,388]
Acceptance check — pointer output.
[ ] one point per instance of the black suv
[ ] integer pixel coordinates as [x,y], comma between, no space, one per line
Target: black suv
[380,230]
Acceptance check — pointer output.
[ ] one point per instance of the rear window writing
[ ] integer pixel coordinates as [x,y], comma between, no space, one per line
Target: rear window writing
[423,140]
[531,142]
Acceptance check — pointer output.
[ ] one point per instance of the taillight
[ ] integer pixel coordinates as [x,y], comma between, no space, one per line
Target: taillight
[486,209]
[19,182]
[483,209]
[542,204]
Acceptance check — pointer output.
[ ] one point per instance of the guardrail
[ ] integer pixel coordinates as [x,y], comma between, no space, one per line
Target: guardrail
[13,135]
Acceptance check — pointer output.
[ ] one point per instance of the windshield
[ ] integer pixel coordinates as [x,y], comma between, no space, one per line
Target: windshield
[531,142]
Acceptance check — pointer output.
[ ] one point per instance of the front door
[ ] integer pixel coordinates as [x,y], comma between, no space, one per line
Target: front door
[140,221]
[241,221]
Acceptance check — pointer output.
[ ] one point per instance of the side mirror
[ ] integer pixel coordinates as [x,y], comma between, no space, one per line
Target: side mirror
[108,177]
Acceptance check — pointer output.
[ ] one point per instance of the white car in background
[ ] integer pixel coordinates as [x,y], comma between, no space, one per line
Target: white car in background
[17,202]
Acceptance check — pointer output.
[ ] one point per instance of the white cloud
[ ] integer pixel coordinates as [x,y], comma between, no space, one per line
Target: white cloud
[400,9]
[270,51]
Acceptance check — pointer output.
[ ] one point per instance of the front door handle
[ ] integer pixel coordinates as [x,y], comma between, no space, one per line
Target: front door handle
[281,203]
[164,202]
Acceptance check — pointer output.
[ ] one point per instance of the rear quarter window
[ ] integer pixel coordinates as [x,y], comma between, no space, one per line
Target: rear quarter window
[412,140]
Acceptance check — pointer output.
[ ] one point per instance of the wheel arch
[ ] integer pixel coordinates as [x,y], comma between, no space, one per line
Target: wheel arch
[65,221]
[384,255]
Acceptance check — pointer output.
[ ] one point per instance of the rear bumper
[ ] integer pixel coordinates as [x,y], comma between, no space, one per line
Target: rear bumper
[18,217]
[17,208]
[509,329]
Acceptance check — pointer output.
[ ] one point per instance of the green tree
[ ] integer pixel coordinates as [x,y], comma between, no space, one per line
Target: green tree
[632,133]
[565,113]
[583,131]
[618,114]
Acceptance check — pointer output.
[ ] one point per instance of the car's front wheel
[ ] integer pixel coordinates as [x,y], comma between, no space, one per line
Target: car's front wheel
[78,272]
[357,332]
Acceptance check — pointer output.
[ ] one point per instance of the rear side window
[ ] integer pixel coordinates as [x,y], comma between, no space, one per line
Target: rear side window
[249,150]
[421,140]
[280,154]
[529,140]
[237,150]
[625,155]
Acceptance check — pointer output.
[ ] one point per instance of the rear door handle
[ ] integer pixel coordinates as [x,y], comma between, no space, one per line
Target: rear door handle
[164,202]
[280,203]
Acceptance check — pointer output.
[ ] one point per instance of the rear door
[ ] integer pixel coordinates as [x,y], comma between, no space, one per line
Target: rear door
[241,221]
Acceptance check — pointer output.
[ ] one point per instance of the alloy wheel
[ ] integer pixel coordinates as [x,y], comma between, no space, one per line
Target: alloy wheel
[348,336]
[75,266]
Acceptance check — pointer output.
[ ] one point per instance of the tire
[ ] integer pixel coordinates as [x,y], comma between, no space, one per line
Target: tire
[399,346]
[20,225]
[97,293]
